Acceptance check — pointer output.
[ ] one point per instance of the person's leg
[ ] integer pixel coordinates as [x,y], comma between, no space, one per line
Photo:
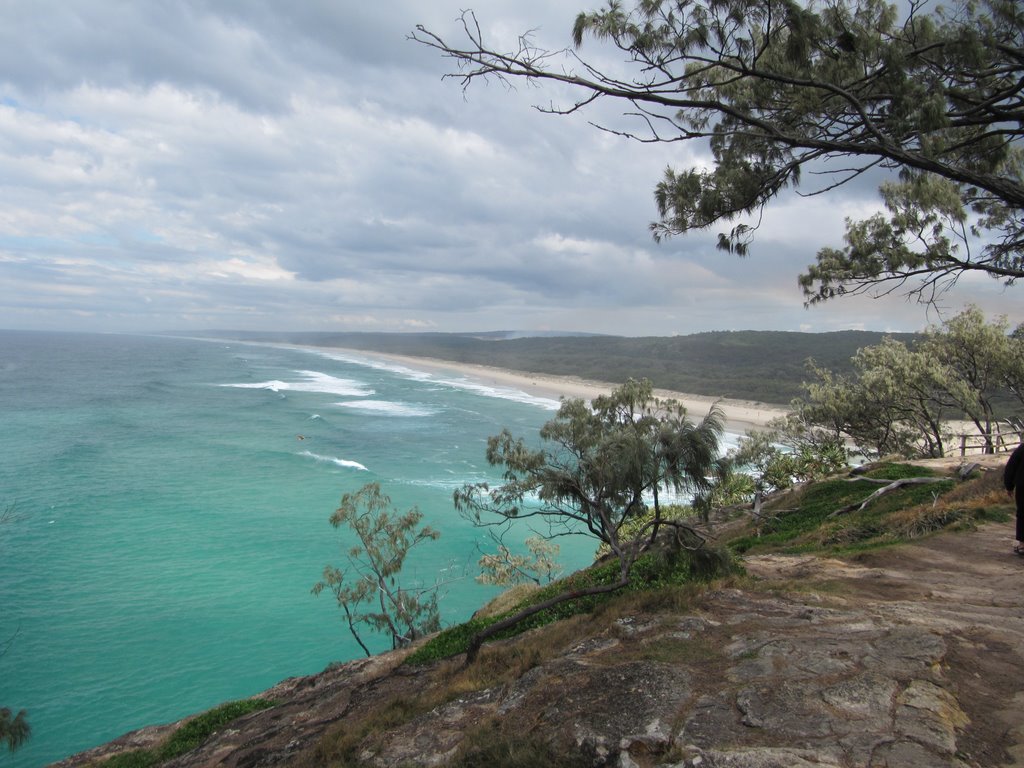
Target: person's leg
[1018,547]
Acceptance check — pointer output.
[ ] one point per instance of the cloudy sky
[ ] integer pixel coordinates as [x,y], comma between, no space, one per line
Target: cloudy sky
[254,164]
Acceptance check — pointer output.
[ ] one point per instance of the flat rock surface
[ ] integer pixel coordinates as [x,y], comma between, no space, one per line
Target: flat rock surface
[908,656]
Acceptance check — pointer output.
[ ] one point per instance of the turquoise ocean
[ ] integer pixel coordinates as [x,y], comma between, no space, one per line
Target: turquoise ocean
[166,507]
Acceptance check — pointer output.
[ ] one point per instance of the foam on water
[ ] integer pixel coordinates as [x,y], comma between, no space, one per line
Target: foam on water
[273,386]
[463,383]
[374,363]
[387,408]
[346,463]
[502,393]
[311,381]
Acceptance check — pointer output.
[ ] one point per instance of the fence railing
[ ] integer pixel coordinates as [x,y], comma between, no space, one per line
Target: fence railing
[1005,437]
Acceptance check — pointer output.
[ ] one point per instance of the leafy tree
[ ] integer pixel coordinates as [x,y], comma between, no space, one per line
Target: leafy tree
[782,90]
[985,361]
[896,401]
[791,449]
[506,568]
[14,729]
[900,399]
[594,473]
[1013,376]
[371,577]
[598,464]
[730,486]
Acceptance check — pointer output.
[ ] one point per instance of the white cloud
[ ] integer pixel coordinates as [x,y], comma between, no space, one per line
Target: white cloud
[272,166]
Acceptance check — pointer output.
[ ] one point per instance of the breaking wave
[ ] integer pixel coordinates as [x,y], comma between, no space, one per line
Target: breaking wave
[387,408]
[346,463]
[311,381]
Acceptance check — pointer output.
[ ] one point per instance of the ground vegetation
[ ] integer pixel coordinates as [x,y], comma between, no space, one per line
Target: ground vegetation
[601,467]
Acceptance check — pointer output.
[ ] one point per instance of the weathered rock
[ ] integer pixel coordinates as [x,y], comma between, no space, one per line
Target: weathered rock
[778,757]
[913,663]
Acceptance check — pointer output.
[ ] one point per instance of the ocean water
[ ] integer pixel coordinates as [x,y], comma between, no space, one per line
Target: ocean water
[166,508]
[167,505]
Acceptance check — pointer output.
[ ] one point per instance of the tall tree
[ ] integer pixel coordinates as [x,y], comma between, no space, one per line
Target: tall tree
[782,90]
[600,468]
[901,399]
[384,539]
[897,400]
[1013,377]
[985,361]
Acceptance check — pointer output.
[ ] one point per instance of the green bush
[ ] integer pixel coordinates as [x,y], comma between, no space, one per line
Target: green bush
[651,571]
[189,736]
[807,526]
[898,471]
[137,758]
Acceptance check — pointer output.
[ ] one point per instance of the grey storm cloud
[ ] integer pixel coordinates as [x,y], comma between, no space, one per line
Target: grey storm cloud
[265,165]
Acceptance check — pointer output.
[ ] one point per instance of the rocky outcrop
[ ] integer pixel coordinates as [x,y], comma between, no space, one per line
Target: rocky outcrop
[905,657]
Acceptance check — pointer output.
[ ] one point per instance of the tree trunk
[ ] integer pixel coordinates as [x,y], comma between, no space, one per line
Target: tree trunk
[487,632]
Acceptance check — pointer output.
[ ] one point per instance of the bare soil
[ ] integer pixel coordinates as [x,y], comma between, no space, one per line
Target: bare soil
[968,587]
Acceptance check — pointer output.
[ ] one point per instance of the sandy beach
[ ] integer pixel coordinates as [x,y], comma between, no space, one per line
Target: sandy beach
[740,415]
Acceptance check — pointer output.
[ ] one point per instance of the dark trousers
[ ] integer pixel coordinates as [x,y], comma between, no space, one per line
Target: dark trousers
[1020,513]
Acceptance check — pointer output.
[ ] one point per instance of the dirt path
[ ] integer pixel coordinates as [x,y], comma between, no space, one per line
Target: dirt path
[965,587]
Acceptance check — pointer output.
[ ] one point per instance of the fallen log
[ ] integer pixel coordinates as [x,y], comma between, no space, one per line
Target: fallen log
[895,484]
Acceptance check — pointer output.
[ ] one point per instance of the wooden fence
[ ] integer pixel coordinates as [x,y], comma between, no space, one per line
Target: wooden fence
[1005,437]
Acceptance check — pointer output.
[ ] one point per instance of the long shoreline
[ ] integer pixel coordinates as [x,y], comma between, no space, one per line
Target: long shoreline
[740,415]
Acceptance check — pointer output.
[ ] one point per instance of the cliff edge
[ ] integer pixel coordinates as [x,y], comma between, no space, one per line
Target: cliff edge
[907,656]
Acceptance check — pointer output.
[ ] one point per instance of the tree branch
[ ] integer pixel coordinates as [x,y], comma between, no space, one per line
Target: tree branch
[896,484]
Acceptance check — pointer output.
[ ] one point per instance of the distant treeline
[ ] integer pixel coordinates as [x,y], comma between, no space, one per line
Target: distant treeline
[767,366]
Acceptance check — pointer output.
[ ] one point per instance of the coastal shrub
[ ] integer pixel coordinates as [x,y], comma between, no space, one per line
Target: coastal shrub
[189,736]
[806,523]
[199,729]
[651,571]
[813,505]
[385,536]
[137,758]
[897,471]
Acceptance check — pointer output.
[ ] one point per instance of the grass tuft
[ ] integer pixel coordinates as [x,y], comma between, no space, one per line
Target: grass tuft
[489,745]
[189,736]
[803,522]
[651,572]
